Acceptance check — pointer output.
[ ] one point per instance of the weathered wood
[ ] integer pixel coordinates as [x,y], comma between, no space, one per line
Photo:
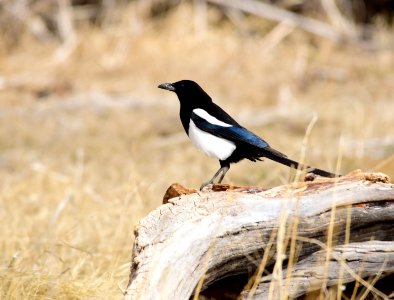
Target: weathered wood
[219,234]
[346,263]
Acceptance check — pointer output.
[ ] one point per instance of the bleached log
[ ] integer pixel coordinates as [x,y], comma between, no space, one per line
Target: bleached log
[215,235]
[346,263]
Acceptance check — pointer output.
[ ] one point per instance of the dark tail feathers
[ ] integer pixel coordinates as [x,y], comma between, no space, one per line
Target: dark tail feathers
[282,159]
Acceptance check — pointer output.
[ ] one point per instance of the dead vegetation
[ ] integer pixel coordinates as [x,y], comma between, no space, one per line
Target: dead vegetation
[87,140]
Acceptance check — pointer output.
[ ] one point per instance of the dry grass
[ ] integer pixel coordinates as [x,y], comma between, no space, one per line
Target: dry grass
[88,145]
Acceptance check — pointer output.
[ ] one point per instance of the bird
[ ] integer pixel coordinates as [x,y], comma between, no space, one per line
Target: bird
[218,135]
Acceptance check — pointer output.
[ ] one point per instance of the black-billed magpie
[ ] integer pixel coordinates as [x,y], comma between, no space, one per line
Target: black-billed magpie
[217,134]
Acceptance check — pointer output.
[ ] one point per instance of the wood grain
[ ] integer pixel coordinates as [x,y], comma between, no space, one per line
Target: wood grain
[214,235]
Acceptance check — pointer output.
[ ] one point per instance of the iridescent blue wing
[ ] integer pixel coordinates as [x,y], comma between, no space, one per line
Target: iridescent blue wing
[234,133]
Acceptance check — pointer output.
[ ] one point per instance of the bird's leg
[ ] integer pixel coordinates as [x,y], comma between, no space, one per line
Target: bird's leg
[212,179]
[223,170]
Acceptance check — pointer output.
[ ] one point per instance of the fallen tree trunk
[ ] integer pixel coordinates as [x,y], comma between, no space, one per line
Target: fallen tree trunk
[345,264]
[195,240]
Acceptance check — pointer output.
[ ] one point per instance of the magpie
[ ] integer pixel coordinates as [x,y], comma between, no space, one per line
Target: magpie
[218,135]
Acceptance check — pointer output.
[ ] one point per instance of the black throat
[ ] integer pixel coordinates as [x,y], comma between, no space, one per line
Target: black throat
[189,102]
[185,113]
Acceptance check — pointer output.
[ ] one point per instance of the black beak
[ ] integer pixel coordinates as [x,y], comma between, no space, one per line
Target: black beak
[167,86]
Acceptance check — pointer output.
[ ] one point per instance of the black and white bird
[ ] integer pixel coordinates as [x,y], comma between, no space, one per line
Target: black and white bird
[218,135]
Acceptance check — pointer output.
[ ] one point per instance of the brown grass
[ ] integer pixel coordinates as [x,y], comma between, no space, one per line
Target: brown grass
[77,175]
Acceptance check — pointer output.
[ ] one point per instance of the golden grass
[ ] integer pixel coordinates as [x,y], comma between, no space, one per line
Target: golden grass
[74,180]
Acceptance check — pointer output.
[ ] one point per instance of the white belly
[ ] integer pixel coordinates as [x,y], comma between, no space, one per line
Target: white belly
[211,145]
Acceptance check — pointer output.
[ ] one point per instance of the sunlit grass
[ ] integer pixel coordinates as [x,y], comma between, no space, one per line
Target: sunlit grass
[75,179]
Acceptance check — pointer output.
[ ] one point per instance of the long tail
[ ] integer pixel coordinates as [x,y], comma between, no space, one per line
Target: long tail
[279,157]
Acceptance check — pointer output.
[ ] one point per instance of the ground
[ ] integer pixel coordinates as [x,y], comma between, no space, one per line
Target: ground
[88,144]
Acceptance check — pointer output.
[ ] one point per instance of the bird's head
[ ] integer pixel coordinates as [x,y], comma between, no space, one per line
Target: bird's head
[188,92]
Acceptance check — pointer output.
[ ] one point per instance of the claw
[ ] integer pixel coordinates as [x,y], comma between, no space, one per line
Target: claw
[206,184]
[223,169]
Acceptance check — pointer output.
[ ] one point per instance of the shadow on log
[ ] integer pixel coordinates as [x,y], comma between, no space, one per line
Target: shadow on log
[286,241]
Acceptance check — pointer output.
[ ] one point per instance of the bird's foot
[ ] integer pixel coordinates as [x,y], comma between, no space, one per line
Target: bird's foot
[209,183]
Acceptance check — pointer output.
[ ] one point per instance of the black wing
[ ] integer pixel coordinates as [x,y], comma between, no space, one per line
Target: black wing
[234,133]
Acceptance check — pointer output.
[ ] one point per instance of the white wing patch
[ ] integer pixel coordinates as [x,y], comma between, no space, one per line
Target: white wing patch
[206,116]
[211,145]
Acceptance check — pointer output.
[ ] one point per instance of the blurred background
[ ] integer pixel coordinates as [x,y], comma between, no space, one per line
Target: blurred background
[89,144]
